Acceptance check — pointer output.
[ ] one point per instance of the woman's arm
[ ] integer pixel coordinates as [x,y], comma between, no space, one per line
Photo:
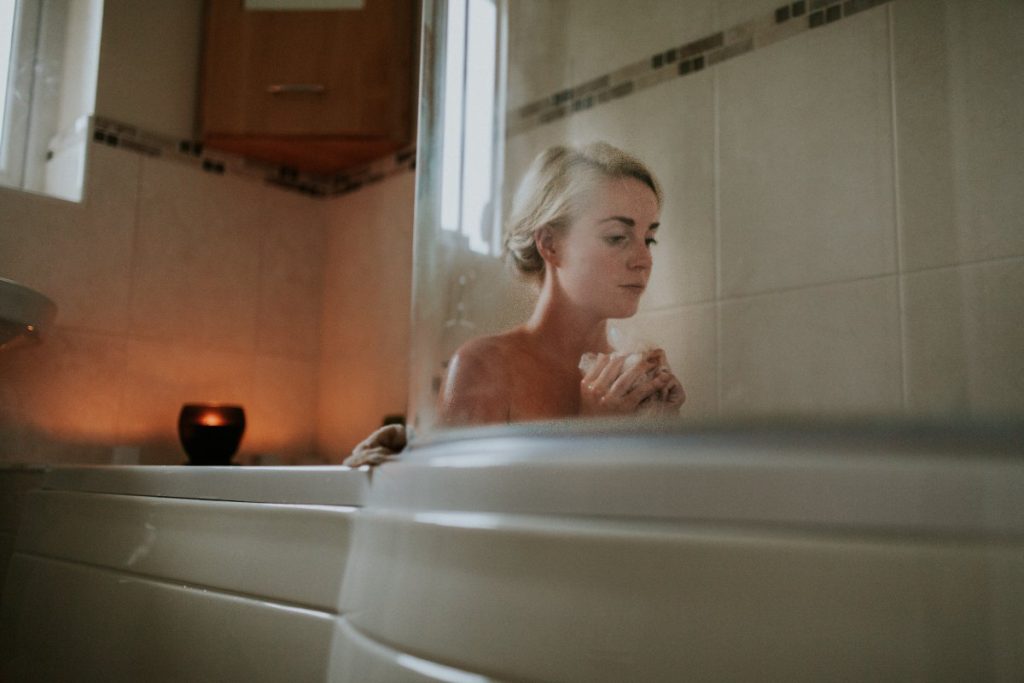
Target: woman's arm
[476,388]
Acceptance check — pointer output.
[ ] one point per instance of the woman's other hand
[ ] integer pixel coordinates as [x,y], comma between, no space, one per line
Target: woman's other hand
[608,389]
[673,395]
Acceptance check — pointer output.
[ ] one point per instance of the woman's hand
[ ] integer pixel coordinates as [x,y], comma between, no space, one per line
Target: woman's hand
[673,395]
[607,389]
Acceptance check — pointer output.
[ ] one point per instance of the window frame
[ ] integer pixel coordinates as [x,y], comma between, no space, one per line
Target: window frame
[16,124]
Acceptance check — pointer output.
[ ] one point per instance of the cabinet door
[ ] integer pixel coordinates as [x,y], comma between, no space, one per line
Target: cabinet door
[342,73]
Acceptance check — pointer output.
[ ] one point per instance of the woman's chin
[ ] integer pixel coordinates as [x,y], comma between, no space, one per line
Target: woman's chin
[627,311]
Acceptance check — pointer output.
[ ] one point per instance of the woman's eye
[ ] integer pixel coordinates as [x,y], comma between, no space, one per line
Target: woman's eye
[650,241]
[615,239]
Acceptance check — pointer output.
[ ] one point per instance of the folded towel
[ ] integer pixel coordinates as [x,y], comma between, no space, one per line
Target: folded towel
[378,447]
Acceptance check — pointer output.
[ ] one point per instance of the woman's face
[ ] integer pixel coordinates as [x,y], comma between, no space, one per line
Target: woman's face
[603,260]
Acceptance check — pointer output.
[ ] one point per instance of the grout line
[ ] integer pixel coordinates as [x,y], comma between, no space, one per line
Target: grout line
[898,219]
[831,283]
[133,257]
[964,264]
[812,285]
[716,193]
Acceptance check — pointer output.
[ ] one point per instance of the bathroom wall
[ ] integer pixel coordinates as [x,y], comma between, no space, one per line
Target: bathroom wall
[177,285]
[842,228]
[364,353]
[151,83]
[173,285]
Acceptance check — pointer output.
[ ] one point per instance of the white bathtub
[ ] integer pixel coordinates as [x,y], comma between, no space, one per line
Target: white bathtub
[763,554]
[760,554]
[179,574]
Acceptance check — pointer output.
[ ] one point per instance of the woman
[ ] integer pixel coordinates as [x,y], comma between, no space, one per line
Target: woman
[582,226]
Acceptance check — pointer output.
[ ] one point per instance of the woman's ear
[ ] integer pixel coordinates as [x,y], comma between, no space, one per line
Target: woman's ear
[545,241]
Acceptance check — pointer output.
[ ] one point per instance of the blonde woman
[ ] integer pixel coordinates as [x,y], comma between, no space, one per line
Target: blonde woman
[582,227]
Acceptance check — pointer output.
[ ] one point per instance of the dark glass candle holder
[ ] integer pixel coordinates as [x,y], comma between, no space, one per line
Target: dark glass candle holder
[210,432]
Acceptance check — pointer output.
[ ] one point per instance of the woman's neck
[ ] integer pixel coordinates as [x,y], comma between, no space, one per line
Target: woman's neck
[563,329]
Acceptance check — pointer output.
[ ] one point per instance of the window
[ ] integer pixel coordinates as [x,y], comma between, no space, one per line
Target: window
[470,201]
[50,56]
[18,32]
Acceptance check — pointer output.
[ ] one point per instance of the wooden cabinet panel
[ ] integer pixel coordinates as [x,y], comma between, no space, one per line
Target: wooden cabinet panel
[279,79]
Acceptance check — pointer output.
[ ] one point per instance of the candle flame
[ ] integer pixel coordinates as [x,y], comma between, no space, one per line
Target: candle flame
[212,419]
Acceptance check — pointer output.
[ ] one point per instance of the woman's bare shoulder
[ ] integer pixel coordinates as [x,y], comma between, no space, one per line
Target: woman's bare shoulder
[503,347]
[478,383]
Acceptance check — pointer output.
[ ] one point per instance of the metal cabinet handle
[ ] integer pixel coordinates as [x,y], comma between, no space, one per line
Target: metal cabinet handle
[311,88]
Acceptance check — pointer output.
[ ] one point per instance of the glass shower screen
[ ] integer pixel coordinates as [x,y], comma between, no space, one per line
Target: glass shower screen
[842,228]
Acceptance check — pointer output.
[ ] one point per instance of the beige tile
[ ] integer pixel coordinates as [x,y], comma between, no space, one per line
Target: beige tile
[281,409]
[538,56]
[965,340]
[162,376]
[291,275]
[364,370]
[806,182]
[819,351]
[959,104]
[368,269]
[688,336]
[670,127]
[58,399]
[77,254]
[605,35]
[730,13]
[197,257]
[28,223]
[149,64]
[355,395]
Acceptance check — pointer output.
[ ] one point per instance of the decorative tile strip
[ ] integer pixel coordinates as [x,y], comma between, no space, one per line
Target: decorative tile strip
[784,22]
[125,136]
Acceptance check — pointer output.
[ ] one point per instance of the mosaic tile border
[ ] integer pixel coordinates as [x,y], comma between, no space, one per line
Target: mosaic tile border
[784,22]
[113,133]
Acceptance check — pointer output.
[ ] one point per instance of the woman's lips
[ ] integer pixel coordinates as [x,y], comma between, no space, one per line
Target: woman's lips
[639,289]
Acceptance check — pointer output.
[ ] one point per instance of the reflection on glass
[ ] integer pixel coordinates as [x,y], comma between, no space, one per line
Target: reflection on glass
[835,242]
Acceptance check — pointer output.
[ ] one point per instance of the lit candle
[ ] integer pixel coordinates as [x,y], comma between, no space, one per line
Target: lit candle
[210,432]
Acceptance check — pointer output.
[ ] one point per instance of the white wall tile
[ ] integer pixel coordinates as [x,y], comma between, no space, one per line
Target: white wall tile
[688,336]
[965,340]
[729,13]
[58,398]
[822,351]
[150,52]
[77,254]
[197,257]
[806,182]
[959,86]
[670,127]
[538,57]
[28,223]
[605,35]
[364,358]
[291,274]
[281,409]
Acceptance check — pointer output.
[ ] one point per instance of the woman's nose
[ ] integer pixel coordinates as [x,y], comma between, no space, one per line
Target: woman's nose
[641,257]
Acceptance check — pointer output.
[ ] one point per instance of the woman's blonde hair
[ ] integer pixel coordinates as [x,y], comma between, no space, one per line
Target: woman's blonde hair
[552,190]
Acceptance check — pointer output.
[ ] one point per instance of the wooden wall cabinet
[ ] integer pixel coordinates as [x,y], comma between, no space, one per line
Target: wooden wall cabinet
[320,91]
